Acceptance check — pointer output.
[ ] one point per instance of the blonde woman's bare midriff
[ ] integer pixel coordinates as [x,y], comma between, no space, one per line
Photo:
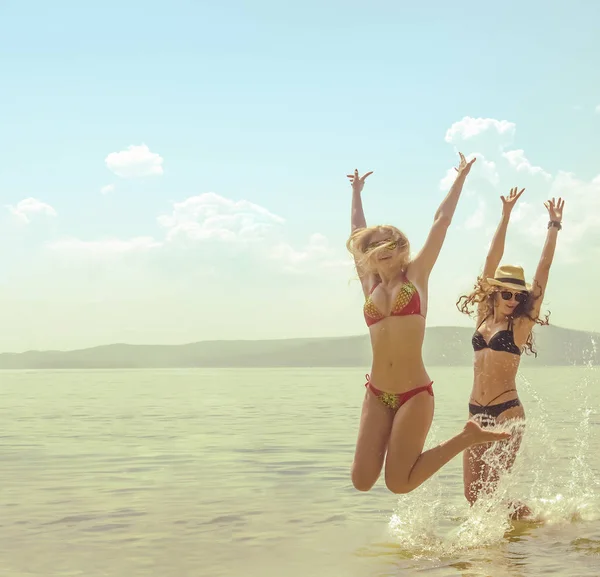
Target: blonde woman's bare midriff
[397,344]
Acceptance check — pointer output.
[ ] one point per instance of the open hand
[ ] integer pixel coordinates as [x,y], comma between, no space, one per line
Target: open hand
[508,202]
[358,182]
[555,209]
[464,167]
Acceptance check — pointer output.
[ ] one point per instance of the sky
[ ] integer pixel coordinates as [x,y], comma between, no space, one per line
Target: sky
[173,172]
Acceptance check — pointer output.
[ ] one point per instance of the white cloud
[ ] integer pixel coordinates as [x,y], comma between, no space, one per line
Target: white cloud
[240,226]
[107,189]
[317,245]
[477,219]
[210,216]
[598,109]
[487,168]
[581,224]
[470,127]
[243,225]
[29,207]
[522,211]
[136,161]
[581,221]
[518,160]
[317,252]
[447,181]
[104,247]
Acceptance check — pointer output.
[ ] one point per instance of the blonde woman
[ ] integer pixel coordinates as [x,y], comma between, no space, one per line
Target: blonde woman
[507,309]
[398,405]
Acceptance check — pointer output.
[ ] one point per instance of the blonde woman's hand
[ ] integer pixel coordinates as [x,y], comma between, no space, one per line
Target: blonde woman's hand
[464,167]
[358,182]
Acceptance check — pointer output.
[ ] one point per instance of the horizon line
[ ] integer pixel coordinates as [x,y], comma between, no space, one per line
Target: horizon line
[187,343]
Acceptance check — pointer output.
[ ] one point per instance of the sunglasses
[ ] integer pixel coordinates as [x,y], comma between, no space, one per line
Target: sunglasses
[390,245]
[519,297]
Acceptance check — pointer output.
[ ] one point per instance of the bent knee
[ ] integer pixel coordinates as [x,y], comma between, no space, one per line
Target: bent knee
[398,485]
[361,480]
[399,488]
[362,484]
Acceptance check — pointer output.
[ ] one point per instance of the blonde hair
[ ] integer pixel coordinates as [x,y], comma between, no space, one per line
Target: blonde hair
[481,298]
[366,258]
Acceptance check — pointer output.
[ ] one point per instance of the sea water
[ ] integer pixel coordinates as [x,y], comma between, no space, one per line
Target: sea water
[177,473]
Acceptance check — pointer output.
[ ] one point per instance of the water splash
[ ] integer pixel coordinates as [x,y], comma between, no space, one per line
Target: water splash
[552,475]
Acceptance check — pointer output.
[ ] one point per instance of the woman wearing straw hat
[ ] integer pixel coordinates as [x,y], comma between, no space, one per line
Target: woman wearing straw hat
[507,309]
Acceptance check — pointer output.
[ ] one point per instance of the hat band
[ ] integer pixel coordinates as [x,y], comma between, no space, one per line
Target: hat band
[512,280]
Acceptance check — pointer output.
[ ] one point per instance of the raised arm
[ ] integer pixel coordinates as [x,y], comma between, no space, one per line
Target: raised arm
[357,218]
[357,221]
[540,280]
[422,264]
[497,247]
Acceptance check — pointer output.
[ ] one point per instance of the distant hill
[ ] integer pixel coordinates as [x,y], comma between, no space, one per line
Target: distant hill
[444,346]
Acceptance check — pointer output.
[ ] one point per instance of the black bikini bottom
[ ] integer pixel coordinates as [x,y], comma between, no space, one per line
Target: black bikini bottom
[493,411]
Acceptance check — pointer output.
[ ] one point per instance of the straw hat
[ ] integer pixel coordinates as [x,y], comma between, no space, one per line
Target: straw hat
[510,277]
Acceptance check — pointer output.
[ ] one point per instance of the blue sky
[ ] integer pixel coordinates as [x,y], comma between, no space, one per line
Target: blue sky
[173,172]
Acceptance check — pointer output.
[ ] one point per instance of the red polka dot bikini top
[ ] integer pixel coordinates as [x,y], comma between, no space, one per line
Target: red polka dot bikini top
[407,302]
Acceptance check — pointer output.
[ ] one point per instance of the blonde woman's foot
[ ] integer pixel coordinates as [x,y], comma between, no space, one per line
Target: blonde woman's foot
[477,435]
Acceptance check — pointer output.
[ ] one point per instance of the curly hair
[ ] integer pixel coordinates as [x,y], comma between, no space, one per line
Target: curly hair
[364,257]
[483,296]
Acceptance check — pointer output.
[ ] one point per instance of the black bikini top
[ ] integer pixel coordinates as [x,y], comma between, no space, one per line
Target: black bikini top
[501,341]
